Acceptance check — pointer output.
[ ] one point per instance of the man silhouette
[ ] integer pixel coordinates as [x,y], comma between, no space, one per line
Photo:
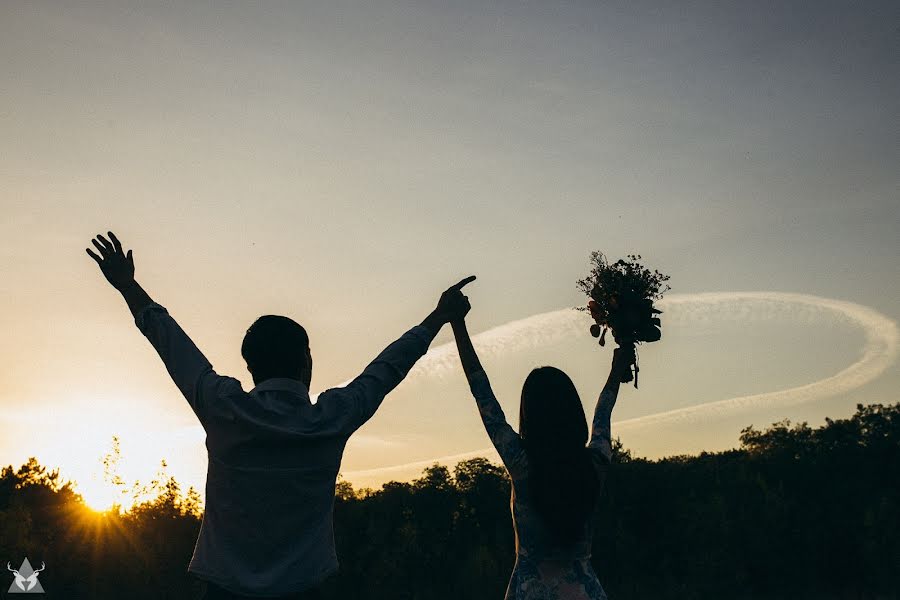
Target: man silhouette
[273,456]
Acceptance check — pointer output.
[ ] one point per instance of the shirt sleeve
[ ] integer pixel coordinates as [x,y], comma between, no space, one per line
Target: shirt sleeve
[601,434]
[187,366]
[360,398]
[503,436]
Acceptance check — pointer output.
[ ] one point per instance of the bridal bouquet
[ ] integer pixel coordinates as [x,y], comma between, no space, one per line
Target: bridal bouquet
[621,299]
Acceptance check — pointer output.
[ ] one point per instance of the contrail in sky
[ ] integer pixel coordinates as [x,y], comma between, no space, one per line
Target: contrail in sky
[879,352]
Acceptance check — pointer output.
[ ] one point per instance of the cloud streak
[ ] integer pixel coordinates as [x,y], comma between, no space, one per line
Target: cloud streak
[879,352]
[880,348]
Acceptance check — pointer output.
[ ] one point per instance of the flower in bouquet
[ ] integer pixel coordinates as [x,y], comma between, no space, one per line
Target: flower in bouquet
[621,300]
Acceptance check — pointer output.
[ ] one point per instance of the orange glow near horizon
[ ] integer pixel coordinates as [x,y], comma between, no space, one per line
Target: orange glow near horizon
[100,496]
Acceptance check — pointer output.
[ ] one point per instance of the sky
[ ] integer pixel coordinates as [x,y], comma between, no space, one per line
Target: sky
[342,163]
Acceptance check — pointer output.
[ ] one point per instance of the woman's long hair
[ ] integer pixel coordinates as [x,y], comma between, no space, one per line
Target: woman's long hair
[563,485]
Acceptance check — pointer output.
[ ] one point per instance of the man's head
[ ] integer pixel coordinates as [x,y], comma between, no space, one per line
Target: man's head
[277,346]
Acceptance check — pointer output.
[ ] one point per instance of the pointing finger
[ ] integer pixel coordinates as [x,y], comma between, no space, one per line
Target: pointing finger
[464,282]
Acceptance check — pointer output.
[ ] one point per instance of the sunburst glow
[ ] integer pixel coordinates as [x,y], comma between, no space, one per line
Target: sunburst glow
[100,495]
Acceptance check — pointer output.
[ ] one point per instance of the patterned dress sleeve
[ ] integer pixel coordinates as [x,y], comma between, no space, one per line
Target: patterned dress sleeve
[601,434]
[503,436]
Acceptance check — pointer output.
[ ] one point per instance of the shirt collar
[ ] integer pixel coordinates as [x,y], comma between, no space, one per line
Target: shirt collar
[282,384]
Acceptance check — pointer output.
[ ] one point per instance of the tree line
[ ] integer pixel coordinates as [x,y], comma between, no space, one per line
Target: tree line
[794,512]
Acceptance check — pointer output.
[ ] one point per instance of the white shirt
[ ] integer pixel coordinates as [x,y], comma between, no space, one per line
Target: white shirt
[273,460]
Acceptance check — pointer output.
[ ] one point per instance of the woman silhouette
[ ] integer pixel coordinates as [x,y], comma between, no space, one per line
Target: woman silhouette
[556,472]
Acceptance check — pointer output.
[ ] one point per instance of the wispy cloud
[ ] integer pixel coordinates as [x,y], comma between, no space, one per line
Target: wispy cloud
[879,351]
[882,339]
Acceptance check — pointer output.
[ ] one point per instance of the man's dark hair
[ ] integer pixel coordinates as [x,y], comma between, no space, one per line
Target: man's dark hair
[275,346]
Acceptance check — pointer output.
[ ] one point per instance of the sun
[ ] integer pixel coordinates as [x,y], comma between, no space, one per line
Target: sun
[99,495]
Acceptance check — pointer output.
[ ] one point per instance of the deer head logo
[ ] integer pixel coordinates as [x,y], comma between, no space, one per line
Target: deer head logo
[25,578]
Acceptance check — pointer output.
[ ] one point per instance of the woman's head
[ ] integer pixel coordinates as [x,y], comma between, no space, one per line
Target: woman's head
[563,485]
[550,414]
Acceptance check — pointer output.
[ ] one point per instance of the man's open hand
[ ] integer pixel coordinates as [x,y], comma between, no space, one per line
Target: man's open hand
[116,265]
[454,305]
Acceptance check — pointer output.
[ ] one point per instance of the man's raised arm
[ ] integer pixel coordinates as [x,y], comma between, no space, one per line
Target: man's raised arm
[365,393]
[188,367]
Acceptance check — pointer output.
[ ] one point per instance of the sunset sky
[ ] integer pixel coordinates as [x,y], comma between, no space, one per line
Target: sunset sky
[342,163]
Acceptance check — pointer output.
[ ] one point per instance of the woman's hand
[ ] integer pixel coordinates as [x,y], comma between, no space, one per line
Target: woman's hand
[460,302]
[623,358]
[620,371]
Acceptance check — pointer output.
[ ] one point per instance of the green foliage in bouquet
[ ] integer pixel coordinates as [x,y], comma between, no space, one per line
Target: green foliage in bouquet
[621,299]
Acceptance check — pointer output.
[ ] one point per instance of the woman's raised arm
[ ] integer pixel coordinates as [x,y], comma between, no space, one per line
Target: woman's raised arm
[601,434]
[503,436]
[470,363]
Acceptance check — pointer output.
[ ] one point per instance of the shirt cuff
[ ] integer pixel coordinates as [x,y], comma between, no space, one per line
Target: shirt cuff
[139,319]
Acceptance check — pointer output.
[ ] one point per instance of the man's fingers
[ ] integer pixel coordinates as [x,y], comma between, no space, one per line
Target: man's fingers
[108,244]
[130,259]
[103,251]
[464,282]
[116,243]
[94,256]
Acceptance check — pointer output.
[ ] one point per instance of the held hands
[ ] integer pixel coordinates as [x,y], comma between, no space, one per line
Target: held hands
[454,305]
[115,264]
